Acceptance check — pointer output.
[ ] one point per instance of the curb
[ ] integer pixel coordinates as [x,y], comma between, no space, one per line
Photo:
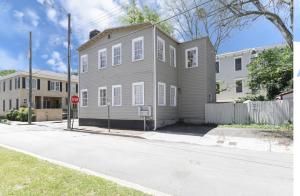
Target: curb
[90,172]
[103,133]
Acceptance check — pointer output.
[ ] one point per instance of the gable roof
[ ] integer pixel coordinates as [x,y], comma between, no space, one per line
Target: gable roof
[131,27]
[42,74]
[110,30]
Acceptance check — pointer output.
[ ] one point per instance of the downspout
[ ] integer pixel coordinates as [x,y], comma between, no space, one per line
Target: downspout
[154,78]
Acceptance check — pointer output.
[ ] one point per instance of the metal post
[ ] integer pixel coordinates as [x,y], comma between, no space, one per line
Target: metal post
[144,123]
[30,79]
[69,71]
[108,117]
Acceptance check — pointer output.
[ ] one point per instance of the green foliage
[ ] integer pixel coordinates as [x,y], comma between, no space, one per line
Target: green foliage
[272,70]
[20,115]
[7,72]
[251,98]
[136,15]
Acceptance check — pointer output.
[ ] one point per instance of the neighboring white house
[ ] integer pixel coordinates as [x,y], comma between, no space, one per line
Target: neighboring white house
[232,73]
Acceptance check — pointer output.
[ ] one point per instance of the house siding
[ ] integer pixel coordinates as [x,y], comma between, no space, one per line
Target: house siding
[193,85]
[125,74]
[167,74]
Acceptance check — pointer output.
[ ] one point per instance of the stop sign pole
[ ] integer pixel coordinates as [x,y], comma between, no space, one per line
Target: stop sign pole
[74,100]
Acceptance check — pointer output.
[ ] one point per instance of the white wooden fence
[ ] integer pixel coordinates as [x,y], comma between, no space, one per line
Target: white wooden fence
[260,112]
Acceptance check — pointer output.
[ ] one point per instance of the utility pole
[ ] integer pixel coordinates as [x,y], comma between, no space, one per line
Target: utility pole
[30,79]
[69,71]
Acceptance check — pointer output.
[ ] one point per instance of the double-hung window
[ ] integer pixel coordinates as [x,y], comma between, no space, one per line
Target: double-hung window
[116,95]
[102,96]
[138,93]
[54,86]
[84,98]
[173,96]
[238,64]
[117,54]
[84,63]
[172,56]
[161,94]
[217,67]
[160,49]
[138,49]
[102,58]
[10,84]
[191,57]
[239,86]
[33,83]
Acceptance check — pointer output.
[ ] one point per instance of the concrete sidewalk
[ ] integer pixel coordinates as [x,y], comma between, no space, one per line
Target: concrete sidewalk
[242,138]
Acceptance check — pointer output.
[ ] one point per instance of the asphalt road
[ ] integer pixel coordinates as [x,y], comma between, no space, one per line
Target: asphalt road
[174,168]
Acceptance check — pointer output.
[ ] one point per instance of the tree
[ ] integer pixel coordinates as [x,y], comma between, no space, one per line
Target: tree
[136,15]
[278,12]
[272,70]
[7,72]
[207,19]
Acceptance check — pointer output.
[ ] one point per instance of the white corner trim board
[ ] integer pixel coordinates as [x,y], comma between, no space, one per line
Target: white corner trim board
[90,172]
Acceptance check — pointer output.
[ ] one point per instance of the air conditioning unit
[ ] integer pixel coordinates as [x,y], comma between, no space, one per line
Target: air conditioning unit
[144,111]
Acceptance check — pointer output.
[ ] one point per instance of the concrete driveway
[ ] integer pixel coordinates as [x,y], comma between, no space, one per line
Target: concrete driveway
[174,168]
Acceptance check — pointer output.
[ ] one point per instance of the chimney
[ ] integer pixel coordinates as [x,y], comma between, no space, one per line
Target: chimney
[94,33]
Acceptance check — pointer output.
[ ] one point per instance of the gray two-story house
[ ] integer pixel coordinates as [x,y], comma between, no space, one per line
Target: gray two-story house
[126,69]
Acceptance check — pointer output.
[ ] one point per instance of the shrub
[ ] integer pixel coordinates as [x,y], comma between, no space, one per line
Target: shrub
[20,115]
[251,98]
[12,115]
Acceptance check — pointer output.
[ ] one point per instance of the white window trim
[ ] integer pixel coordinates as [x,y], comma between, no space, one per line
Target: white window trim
[164,48]
[27,86]
[112,94]
[102,88]
[112,54]
[99,62]
[172,47]
[238,57]
[87,60]
[186,57]
[175,98]
[219,66]
[55,82]
[165,102]
[133,96]
[133,48]
[81,91]
[237,79]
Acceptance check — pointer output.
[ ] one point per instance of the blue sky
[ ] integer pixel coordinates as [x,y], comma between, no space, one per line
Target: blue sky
[48,24]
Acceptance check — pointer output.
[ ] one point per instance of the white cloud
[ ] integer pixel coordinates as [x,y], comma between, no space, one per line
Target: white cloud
[18,15]
[52,15]
[8,61]
[89,15]
[64,23]
[33,17]
[56,62]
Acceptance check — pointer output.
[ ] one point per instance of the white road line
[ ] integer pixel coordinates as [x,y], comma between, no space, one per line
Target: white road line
[90,172]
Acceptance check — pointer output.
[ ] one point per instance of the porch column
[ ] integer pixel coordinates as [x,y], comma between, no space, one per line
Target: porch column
[42,102]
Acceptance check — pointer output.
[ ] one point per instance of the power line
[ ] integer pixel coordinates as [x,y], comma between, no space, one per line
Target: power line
[161,21]
[156,23]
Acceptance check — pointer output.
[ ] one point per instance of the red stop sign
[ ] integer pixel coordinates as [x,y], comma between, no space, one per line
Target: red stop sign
[74,99]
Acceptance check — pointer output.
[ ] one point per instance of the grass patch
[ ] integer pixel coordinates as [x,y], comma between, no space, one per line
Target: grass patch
[284,127]
[284,130]
[22,174]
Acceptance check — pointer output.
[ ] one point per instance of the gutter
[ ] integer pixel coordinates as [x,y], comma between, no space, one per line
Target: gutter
[154,79]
